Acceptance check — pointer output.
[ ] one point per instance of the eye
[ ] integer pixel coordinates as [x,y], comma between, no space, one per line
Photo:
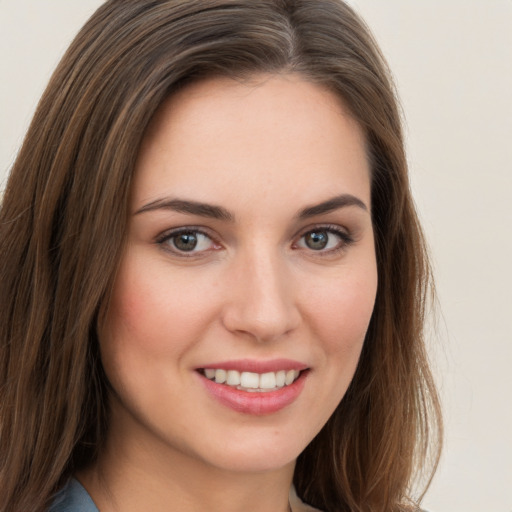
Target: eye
[187,241]
[325,239]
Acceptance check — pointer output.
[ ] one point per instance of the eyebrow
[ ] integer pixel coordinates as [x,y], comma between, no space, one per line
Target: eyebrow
[186,206]
[218,212]
[330,205]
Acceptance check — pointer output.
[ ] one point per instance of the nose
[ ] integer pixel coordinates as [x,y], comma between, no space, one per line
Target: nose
[261,298]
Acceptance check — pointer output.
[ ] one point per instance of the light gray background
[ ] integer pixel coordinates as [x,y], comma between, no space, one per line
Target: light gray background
[452,60]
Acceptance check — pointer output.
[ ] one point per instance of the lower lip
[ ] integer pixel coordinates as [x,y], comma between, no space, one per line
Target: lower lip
[256,403]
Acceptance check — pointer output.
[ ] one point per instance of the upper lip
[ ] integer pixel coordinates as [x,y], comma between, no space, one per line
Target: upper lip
[256,366]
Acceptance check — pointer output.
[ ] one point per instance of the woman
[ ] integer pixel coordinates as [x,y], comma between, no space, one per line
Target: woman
[213,276]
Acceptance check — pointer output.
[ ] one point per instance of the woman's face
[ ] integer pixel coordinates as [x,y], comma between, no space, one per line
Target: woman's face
[250,257]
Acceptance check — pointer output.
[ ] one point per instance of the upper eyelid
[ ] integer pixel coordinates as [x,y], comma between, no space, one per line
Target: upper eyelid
[330,227]
[208,232]
[169,233]
[162,239]
[334,228]
[345,241]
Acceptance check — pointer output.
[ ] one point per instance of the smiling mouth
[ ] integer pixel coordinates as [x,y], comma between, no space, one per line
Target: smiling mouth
[251,381]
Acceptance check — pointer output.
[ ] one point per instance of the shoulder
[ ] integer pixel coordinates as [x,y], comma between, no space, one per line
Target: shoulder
[73,498]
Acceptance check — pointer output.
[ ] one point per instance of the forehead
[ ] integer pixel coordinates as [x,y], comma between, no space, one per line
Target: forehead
[268,133]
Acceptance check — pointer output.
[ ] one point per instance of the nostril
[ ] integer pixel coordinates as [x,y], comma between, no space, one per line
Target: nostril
[263,322]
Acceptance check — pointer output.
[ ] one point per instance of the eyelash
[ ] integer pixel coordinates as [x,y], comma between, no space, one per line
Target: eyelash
[345,239]
[165,240]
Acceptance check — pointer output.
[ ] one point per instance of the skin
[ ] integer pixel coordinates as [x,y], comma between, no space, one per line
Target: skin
[264,150]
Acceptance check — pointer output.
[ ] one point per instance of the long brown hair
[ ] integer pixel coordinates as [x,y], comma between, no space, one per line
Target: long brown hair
[63,222]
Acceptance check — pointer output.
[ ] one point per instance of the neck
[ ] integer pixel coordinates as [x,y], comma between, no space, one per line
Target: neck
[132,475]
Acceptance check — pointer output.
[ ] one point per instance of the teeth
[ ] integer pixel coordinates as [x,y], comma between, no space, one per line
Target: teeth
[220,376]
[250,381]
[233,378]
[268,380]
[209,373]
[290,377]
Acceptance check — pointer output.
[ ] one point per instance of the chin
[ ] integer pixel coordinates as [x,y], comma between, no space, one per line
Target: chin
[255,461]
[263,452]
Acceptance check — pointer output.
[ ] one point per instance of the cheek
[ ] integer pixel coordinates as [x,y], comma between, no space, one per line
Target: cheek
[151,325]
[153,310]
[341,311]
